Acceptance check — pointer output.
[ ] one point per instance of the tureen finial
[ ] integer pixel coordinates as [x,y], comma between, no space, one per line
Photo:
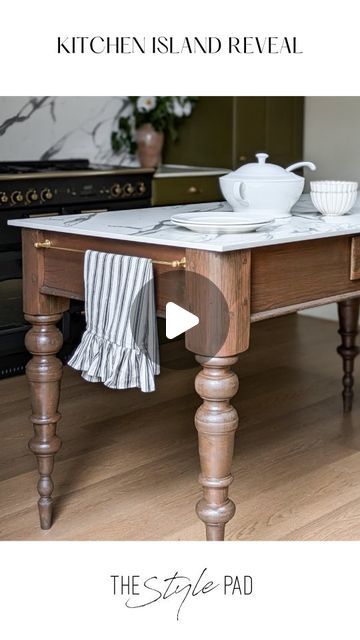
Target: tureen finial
[262,157]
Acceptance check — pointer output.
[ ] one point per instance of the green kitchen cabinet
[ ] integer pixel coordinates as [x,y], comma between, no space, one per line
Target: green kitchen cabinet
[186,185]
[205,139]
[228,131]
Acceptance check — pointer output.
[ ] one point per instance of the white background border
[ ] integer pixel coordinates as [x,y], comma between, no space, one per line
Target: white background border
[58,590]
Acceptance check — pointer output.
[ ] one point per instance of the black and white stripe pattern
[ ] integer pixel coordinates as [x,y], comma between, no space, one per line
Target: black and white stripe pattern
[120,344]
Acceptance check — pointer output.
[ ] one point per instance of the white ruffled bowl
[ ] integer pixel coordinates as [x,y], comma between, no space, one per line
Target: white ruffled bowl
[333,197]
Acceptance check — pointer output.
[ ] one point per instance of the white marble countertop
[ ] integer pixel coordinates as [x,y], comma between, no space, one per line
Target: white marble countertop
[153,226]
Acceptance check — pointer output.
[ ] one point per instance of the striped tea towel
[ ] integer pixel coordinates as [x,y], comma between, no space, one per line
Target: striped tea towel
[120,344]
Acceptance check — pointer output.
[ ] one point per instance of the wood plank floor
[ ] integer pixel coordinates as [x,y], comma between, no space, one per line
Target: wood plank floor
[128,466]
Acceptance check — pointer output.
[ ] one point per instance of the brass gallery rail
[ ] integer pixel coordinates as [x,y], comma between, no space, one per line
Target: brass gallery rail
[47,244]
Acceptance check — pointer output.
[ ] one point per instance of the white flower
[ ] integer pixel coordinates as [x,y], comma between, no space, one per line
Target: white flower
[187,108]
[177,108]
[181,106]
[146,103]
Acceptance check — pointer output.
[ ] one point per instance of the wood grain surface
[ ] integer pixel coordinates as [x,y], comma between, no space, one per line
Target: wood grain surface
[355,258]
[129,463]
[217,289]
[283,278]
[292,274]
[60,273]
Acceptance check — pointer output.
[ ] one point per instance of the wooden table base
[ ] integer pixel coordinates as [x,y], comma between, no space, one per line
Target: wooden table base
[44,372]
[348,330]
[253,285]
[216,421]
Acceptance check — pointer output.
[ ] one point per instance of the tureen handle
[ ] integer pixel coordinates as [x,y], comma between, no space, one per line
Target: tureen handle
[297,165]
[239,193]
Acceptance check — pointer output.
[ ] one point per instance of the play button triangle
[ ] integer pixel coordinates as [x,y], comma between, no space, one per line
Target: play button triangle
[178,320]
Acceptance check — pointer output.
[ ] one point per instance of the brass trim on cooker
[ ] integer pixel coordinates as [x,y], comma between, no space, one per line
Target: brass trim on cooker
[75,173]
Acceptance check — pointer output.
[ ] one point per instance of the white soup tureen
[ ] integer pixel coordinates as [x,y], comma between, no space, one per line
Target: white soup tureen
[261,187]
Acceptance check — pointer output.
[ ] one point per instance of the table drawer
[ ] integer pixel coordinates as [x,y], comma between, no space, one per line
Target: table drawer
[302,274]
[185,190]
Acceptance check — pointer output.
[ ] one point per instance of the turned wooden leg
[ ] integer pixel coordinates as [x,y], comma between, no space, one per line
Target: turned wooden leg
[216,421]
[44,372]
[348,320]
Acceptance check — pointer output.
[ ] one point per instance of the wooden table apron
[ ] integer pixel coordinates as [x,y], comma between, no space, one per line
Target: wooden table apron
[256,284]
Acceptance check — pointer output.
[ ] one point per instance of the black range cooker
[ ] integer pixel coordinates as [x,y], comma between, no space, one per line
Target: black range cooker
[55,187]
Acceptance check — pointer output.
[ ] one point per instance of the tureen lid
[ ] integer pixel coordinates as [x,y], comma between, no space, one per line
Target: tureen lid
[266,171]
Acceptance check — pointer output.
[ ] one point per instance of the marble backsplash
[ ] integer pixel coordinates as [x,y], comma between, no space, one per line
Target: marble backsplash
[41,128]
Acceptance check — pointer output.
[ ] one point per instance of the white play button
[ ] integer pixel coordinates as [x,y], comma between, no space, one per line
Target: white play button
[178,320]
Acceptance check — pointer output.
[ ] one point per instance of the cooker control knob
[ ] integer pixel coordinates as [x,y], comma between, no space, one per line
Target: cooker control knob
[141,187]
[129,189]
[16,197]
[4,198]
[116,190]
[31,196]
[46,195]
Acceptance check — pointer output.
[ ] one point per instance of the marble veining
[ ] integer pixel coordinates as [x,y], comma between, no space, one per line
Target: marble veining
[49,127]
[153,225]
[25,111]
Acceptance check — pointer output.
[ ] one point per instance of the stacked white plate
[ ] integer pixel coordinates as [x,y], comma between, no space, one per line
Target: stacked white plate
[208,222]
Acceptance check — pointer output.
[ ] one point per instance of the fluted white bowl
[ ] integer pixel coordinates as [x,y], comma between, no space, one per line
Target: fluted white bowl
[333,197]
[333,186]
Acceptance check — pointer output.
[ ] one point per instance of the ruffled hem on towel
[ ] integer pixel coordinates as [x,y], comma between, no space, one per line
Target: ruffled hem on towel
[116,366]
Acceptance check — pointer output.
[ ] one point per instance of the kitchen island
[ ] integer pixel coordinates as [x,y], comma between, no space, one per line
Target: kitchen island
[298,262]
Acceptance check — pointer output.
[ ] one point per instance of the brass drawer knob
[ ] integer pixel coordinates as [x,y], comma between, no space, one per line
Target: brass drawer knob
[242,158]
[193,189]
